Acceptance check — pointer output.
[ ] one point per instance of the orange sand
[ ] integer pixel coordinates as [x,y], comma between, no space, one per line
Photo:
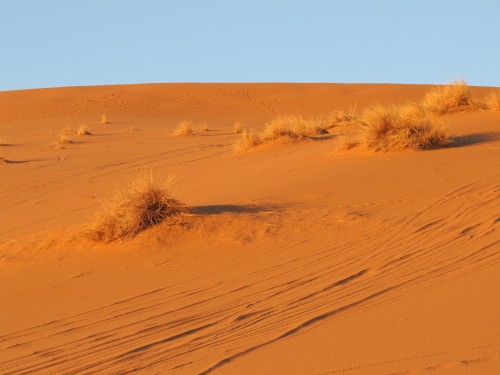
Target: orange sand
[301,259]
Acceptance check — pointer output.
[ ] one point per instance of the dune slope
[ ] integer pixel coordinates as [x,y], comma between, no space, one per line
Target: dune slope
[297,257]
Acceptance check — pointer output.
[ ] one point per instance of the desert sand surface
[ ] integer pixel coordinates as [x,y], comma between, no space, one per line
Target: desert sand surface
[296,258]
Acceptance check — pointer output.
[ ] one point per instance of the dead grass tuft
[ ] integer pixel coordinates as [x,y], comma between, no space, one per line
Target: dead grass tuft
[83,130]
[401,127]
[286,127]
[204,127]
[238,127]
[3,142]
[248,140]
[104,119]
[342,117]
[492,101]
[448,98]
[141,205]
[347,141]
[184,128]
[292,127]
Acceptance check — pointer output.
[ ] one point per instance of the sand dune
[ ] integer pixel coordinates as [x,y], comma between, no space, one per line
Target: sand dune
[296,258]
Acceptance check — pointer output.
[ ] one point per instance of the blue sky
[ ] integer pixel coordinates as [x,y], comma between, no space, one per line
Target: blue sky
[48,43]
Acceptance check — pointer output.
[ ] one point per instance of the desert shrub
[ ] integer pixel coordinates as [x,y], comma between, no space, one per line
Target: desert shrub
[204,127]
[407,126]
[238,127]
[448,98]
[293,127]
[83,130]
[492,101]
[342,117]
[141,205]
[347,141]
[184,127]
[248,140]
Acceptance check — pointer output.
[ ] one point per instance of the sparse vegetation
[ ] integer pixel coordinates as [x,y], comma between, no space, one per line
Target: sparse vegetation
[141,205]
[3,142]
[402,127]
[293,127]
[342,117]
[248,140]
[104,119]
[492,101]
[204,127]
[63,139]
[238,127]
[448,98]
[287,127]
[83,130]
[184,128]
[347,141]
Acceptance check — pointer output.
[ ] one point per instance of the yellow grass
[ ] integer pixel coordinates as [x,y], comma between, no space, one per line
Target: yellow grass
[185,127]
[342,117]
[238,127]
[409,126]
[492,101]
[448,98]
[104,119]
[83,130]
[293,127]
[248,140]
[286,127]
[3,142]
[204,127]
[141,205]
[347,141]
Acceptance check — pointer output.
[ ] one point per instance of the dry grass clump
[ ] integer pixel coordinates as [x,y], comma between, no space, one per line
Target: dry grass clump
[248,140]
[448,98]
[342,117]
[286,127]
[104,119]
[293,127]
[492,101]
[203,127]
[83,130]
[184,127]
[3,142]
[347,141]
[401,127]
[238,127]
[141,205]
[63,140]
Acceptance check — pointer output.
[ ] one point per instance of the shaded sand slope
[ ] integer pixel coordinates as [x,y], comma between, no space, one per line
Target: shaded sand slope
[298,259]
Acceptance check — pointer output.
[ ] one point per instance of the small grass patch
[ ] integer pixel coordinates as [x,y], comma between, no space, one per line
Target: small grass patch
[83,130]
[238,127]
[451,98]
[492,101]
[409,126]
[184,128]
[141,205]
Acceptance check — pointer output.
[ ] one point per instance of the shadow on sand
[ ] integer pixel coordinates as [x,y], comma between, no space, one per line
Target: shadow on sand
[230,208]
[474,139]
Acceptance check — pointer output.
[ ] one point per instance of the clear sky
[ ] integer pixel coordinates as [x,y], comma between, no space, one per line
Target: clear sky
[46,43]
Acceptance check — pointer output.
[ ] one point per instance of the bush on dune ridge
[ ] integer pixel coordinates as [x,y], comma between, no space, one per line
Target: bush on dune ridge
[454,97]
[141,205]
[402,127]
[293,127]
